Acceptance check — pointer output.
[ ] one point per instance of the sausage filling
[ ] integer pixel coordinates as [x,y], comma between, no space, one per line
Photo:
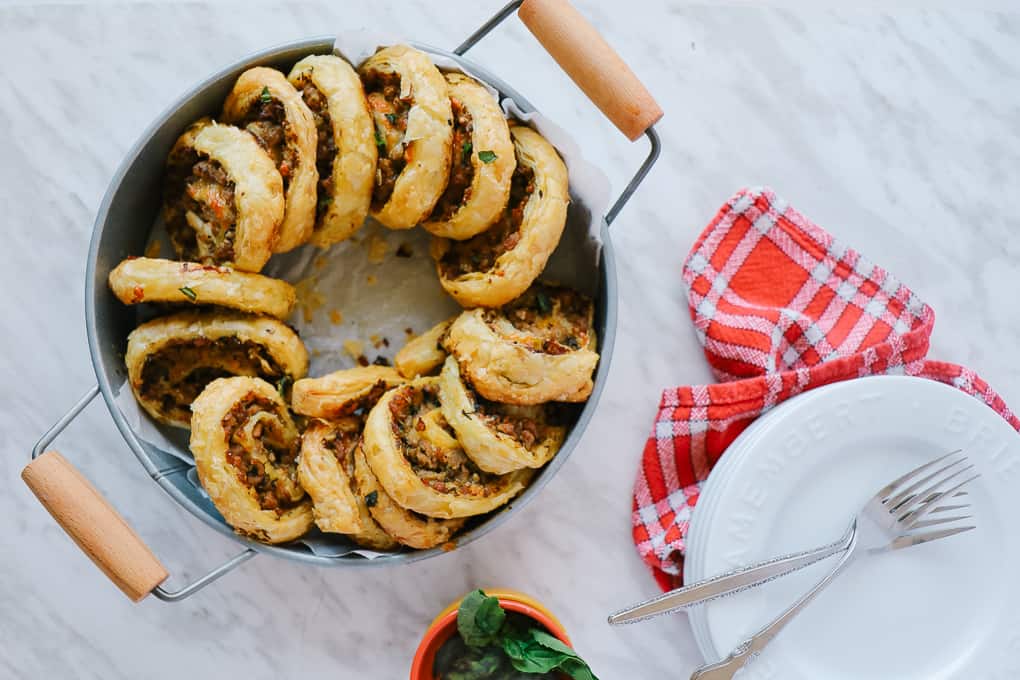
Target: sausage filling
[342,444]
[266,120]
[550,319]
[325,152]
[462,170]
[526,425]
[263,453]
[389,112]
[443,467]
[480,253]
[201,214]
[177,373]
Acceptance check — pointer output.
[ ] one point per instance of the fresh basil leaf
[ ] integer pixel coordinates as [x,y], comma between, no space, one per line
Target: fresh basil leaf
[486,156]
[265,97]
[577,669]
[479,619]
[544,303]
[530,657]
[546,640]
[188,293]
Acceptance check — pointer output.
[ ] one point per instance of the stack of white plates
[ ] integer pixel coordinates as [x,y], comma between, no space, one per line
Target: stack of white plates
[793,481]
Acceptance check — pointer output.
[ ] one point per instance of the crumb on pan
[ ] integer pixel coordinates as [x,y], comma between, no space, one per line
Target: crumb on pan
[355,349]
[404,250]
[376,249]
[335,317]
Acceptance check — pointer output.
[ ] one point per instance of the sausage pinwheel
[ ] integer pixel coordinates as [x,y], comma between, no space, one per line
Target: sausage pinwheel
[351,391]
[424,353]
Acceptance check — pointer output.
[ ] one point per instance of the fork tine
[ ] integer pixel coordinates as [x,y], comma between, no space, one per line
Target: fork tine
[937,521]
[884,492]
[924,508]
[909,540]
[929,495]
[949,508]
[905,495]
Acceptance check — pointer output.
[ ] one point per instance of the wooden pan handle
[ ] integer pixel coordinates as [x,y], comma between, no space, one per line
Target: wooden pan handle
[595,66]
[95,526]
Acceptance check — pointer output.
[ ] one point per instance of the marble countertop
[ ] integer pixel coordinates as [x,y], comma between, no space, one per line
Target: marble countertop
[896,131]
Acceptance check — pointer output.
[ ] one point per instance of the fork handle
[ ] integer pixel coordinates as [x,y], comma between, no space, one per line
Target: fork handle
[750,648]
[729,583]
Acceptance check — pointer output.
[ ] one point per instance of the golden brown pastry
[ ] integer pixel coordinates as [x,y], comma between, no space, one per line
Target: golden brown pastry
[499,438]
[266,105]
[346,153]
[245,446]
[481,167]
[409,102]
[171,359]
[408,528]
[143,279]
[500,263]
[419,462]
[423,354]
[352,391]
[326,471]
[222,197]
[539,348]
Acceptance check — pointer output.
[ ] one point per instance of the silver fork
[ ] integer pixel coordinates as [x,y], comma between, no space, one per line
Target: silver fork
[877,511]
[887,522]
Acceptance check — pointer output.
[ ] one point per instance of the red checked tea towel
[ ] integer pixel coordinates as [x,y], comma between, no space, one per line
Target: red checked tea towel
[781,307]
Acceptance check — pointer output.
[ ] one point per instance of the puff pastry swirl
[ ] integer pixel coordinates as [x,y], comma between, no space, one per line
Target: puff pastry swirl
[421,465]
[409,102]
[245,446]
[499,438]
[406,527]
[424,353]
[143,279]
[326,471]
[352,391]
[266,105]
[497,265]
[346,153]
[539,348]
[222,197]
[481,166]
[171,359]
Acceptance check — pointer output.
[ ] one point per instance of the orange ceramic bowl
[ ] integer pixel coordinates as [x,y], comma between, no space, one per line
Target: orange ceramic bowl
[444,626]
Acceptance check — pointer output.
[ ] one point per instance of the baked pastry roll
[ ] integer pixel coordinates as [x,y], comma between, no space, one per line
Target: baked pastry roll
[481,166]
[352,391]
[266,105]
[171,359]
[143,279]
[326,471]
[421,465]
[222,197]
[497,265]
[539,348]
[346,152]
[499,438]
[245,446]
[408,528]
[410,105]
[424,354]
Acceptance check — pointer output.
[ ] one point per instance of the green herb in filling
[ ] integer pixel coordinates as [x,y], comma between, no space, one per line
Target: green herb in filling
[486,156]
[189,293]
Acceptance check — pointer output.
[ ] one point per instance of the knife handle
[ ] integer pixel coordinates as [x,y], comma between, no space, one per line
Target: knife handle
[729,583]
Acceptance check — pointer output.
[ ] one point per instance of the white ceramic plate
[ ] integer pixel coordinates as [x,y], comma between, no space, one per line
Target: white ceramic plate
[948,609]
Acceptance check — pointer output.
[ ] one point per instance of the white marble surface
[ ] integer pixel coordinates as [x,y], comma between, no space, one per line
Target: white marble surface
[898,132]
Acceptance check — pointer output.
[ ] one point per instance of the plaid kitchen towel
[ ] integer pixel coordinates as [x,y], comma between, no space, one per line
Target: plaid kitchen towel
[781,307]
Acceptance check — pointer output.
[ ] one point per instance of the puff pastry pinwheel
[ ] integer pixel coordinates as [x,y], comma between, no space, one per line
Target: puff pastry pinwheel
[408,528]
[539,348]
[143,279]
[409,102]
[171,359]
[421,465]
[424,353]
[351,391]
[499,264]
[266,105]
[346,152]
[499,438]
[222,197]
[245,446]
[326,471]
[481,166]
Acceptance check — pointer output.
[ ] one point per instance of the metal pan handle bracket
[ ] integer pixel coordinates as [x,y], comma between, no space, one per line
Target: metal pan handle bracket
[596,68]
[97,528]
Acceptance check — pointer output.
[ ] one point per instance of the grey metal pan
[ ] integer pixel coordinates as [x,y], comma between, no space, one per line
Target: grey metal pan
[121,230]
